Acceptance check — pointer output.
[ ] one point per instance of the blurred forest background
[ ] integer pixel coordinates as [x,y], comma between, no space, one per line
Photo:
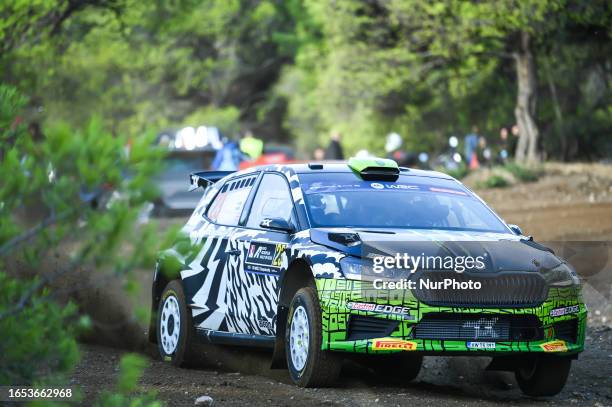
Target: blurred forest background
[294,70]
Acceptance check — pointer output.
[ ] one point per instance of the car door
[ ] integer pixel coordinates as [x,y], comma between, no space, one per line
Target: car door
[261,258]
[208,278]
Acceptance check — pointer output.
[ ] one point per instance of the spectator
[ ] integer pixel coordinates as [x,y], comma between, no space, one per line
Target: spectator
[484,152]
[513,141]
[228,157]
[503,146]
[319,154]
[470,146]
[251,145]
[334,149]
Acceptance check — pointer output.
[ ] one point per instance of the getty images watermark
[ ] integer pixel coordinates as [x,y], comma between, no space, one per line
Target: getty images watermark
[404,262]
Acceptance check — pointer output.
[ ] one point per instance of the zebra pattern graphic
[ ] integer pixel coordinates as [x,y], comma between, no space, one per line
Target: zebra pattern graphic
[221,290]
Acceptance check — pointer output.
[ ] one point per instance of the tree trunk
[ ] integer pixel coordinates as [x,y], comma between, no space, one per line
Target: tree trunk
[557,109]
[527,147]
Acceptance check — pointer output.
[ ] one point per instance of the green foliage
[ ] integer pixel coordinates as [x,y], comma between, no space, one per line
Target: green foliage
[142,65]
[227,119]
[11,102]
[74,196]
[522,173]
[459,173]
[493,181]
[302,68]
[428,70]
[131,367]
[38,342]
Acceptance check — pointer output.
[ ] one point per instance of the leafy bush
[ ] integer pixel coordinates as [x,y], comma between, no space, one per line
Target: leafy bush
[38,338]
[130,371]
[459,173]
[51,207]
[493,181]
[522,173]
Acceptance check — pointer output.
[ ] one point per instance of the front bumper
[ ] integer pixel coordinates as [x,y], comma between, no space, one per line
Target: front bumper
[558,325]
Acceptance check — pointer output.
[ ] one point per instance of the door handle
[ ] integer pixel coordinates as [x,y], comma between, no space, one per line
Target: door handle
[234,252]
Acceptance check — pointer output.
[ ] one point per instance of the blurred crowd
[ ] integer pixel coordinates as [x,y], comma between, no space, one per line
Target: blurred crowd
[472,151]
[478,151]
[475,150]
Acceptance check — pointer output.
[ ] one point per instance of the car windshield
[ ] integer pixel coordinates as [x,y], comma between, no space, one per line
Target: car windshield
[344,200]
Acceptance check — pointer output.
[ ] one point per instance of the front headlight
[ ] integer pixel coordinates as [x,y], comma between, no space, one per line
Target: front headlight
[364,269]
[357,269]
[562,275]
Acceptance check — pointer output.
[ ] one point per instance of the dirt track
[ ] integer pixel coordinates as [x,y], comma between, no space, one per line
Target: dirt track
[238,378]
[571,203]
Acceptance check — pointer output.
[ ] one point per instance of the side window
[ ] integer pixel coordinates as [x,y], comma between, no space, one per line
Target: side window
[273,200]
[227,205]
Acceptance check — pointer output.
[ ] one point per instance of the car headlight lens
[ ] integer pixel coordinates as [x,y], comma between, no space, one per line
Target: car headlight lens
[562,275]
[355,268]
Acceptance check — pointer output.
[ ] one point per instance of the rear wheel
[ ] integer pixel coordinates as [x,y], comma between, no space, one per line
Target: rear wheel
[309,365]
[175,332]
[546,376]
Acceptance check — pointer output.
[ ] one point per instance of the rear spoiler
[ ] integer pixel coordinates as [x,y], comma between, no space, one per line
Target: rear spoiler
[205,178]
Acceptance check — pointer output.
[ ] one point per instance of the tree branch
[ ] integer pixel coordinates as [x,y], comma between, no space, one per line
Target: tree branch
[18,240]
[26,297]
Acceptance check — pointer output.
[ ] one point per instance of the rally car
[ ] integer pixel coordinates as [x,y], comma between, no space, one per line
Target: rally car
[282,257]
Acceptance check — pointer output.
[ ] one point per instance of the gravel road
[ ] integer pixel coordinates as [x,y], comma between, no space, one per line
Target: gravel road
[241,377]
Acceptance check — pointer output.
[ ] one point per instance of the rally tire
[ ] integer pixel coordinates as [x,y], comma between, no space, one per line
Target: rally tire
[176,337]
[545,377]
[315,368]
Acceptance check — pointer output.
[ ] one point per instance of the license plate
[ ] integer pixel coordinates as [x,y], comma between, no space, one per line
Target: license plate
[481,345]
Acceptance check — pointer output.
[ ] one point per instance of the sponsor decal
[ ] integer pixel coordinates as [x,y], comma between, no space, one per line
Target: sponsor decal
[264,323]
[548,333]
[481,345]
[393,344]
[384,309]
[483,328]
[404,187]
[448,191]
[264,257]
[554,346]
[557,312]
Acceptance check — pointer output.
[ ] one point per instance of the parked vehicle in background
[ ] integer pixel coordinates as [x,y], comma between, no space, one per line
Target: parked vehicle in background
[189,149]
[271,155]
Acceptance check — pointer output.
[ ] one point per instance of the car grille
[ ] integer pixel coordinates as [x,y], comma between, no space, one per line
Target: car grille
[503,289]
[361,327]
[478,327]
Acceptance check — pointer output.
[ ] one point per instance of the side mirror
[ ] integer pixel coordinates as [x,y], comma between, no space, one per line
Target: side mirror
[517,230]
[276,224]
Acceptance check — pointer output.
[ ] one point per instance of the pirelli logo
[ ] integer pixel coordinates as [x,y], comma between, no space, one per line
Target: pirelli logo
[393,344]
[554,346]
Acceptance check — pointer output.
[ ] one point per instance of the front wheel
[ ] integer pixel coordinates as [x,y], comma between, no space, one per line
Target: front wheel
[309,365]
[546,376]
[175,332]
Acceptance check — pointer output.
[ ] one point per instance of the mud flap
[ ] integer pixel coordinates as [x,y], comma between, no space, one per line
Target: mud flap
[279,360]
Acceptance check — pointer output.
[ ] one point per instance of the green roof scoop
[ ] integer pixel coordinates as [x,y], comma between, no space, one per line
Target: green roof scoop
[374,169]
